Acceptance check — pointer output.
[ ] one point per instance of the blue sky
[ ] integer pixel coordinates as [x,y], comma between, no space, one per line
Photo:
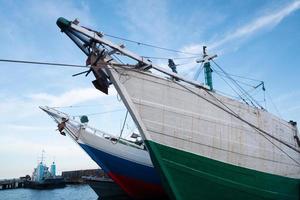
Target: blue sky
[258,39]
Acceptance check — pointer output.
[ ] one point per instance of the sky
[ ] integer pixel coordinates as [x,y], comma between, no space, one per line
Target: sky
[257,39]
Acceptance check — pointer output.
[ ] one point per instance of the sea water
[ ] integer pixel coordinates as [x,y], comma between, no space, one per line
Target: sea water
[73,192]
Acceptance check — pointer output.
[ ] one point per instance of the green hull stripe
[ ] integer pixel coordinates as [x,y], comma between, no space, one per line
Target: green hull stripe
[189,176]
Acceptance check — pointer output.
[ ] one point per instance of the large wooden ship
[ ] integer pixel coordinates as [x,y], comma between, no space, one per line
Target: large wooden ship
[204,145]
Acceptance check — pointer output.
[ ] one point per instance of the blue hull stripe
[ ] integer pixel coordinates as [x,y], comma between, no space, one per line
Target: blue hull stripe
[120,166]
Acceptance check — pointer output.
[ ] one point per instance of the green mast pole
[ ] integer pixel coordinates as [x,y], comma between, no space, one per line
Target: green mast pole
[208,75]
[207,70]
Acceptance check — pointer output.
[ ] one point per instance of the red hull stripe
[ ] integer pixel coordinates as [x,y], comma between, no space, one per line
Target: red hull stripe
[138,189]
[138,181]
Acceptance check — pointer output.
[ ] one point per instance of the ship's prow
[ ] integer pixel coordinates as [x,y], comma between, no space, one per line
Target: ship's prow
[55,114]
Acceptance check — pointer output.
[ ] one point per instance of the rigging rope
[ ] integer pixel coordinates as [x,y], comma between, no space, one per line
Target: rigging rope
[226,94]
[237,86]
[231,112]
[60,64]
[123,124]
[122,129]
[274,104]
[198,72]
[174,58]
[83,66]
[232,89]
[82,106]
[186,63]
[220,74]
[100,113]
[185,73]
[42,63]
[242,77]
[150,45]
[249,97]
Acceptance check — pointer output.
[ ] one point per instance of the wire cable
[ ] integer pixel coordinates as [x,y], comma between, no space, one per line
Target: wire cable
[42,63]
[167,58]
[83,106]
[186,63]
[232,89]
[246,84]
[150,45]
[100,113]
[242,77]
[187,72]
[226,94]
[274,104]
[60,64]
[123,126]
[236,85]
[231,112]
[249,97]
[239,88]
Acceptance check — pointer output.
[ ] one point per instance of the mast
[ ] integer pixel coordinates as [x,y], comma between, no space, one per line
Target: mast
[207,69]
[43,151]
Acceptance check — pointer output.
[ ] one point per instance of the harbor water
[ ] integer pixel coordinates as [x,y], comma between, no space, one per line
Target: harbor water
[72,192]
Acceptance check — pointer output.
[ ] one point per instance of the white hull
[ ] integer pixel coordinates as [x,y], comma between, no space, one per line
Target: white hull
[169,114]
[92,139]
[83,134]
[128,164]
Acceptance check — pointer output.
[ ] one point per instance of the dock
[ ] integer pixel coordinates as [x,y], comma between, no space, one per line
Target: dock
[71,177]
[11,183]
[76,176]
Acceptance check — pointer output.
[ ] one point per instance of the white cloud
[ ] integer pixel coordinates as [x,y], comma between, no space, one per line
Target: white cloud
[16,108]
[26,153]
[21,108]
[71,97]
[266,21]
[269,20]
[27,128]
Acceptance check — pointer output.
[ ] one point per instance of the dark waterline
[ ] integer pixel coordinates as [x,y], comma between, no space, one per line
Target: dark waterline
[73,192]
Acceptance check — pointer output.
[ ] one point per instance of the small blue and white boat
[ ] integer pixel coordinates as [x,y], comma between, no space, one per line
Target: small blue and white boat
[125,162]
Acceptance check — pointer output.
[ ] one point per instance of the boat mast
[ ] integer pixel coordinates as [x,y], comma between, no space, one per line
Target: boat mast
[207,69]
[43,151]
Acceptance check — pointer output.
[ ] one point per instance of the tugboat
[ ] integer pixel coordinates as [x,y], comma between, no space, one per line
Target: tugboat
[42,178]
